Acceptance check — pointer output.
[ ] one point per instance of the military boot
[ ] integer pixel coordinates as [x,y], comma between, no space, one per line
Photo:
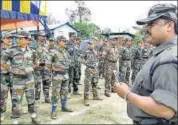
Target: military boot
[47,100]
[66,110]
[107,94]
[64,104]
[97,98]
[86,102]
[53,114]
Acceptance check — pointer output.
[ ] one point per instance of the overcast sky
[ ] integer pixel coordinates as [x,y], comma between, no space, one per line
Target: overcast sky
[112,14]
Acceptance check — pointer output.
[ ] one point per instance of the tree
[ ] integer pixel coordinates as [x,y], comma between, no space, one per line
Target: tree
[87,29]
[139,36]
[51,20]
[81,13]
[107,31]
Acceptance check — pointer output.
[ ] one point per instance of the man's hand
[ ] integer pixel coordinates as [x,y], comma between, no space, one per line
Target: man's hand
[122,89]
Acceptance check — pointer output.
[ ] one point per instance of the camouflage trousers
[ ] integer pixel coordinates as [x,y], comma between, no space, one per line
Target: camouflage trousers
[59,88]
[90,78]
[42,77]
[101,68]
[109,77]
[136,69]
[74,78]
[6,85]
[23,84]
[125,71]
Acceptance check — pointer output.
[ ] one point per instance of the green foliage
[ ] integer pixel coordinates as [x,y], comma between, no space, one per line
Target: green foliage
[88,29]
[139,37]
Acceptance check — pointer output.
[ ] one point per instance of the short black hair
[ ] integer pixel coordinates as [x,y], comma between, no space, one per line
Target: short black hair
[169,19]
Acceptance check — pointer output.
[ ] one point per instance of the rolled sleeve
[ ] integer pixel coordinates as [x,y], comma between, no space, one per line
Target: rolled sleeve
[165,85]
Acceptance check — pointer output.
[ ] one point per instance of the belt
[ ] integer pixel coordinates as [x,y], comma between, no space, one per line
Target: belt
[60,72]
[157,121]
[23,76]
[126,59]
[5,73]
[112,61]
[145,57]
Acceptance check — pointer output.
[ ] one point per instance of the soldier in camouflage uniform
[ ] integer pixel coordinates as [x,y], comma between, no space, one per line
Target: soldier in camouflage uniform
[42,72]
[60,78]
[22,61]
[6,84]
[136,64]
[125,64]
[91,73]
[100,48]
[145,53]
[77,70]
[111,57]
[52,47]
[72,68]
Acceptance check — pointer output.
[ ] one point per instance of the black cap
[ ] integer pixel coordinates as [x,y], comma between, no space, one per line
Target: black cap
[158,11]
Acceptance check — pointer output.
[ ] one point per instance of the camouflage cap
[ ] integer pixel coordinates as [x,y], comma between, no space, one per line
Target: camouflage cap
[22,34]
[42,33]
[158,11]
[61,38]
[51,39]
[7,35]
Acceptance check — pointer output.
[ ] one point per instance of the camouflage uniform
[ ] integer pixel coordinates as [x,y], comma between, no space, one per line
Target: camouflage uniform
[21,63]
[52,48]
[145,54]
[60,78]
[6,84]
[136,64]
[91,74]
[42,72]
[72,68]
[125,64]
[100,49]
[77,73]
[111,58]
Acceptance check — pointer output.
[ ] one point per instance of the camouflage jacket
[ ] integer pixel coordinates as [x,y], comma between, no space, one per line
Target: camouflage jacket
[21,62]
[4,51]
[145,52]
[91,60]
[43,55]
[60,60]
[111,54]
[77,55]
[126,53]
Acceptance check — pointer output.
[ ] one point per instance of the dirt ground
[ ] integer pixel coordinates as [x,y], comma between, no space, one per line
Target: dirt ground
[110,110]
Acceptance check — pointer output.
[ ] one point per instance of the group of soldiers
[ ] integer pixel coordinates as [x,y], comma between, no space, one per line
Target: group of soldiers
[29,64]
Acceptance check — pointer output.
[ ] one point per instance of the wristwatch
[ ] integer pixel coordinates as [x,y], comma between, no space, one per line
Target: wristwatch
[126,95]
